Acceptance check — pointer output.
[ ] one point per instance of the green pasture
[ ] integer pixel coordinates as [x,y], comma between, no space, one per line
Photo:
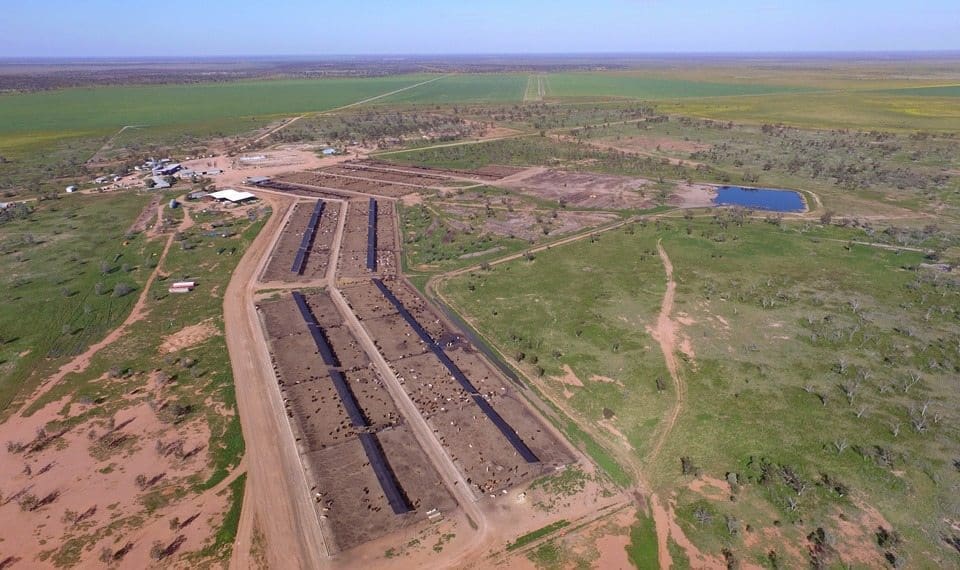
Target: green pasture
[642,86]
[903,110]
[59,267]
[465,88]
[805,352]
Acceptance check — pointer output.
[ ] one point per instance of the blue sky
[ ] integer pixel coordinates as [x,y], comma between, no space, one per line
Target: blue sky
[316,27]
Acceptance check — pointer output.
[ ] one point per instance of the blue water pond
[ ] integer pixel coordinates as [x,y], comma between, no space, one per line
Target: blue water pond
[760,199]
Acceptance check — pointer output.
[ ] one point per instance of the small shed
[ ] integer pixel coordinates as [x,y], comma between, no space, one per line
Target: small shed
[329,151]
[71,189]
[257,180]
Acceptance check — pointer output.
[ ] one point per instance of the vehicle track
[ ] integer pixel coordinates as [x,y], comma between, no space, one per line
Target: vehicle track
[665,334]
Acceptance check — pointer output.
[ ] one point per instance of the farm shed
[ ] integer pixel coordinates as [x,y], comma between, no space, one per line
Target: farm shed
[159,183]
[234,196]
[168,169]
[257,180]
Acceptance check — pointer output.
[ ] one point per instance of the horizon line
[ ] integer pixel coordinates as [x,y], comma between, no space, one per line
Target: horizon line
[678,53]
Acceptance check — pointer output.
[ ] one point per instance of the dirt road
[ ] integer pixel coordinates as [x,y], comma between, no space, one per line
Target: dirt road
[277,494]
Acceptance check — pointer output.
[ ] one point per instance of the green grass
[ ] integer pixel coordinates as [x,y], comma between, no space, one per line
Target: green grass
[796,306]
[430,240]
[865,110]
[853,172]
[642,550]
[642,86]
[536,151]
[536,535]
[465,88]
[61,266]
[549,555]
[581,306]
[227,533]
[936,91]
[100,109]
[198,388]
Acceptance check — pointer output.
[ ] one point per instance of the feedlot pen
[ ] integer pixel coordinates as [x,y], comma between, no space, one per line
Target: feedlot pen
[285,252]
[368,473]
[349,497]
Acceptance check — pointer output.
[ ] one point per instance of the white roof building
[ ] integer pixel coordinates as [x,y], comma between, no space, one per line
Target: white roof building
[230,195]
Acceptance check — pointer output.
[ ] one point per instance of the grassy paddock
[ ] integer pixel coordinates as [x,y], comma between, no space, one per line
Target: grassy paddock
[903,111]
[68,266]
[806,351]
[581,308]
[644,86]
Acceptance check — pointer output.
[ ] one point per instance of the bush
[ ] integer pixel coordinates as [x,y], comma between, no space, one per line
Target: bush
[121,289]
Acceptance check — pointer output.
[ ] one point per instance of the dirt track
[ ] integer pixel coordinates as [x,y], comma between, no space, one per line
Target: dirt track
[665,334]
[277,495]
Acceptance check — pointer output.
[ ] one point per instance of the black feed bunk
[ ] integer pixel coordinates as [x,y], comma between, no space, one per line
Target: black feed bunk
[459,376]
[372,236]
[385,475]
[371,445]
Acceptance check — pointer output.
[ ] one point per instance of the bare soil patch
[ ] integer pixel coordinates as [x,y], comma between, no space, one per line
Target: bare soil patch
[87,484]
[188,337]
[569,377]
[585,190]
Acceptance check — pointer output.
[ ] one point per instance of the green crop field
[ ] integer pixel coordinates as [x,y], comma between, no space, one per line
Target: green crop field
[867,110]
[834,363]
[479,88]
[641,86]
[932,91]
[101,109]
[33,124]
